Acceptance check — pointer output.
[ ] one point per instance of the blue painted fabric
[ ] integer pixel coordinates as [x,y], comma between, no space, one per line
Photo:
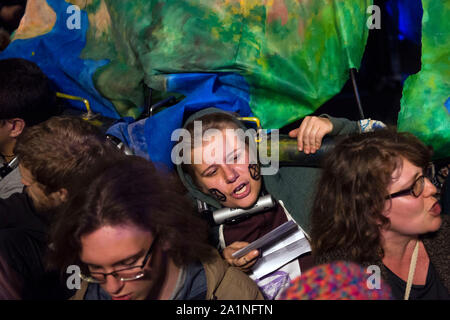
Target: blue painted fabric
[57,54]
[151,137]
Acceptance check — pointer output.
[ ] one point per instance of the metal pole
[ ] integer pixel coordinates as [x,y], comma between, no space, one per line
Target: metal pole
[355,89]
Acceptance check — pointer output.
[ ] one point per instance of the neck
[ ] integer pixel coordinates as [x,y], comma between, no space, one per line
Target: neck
[170,280]
[7,150]
[396,246]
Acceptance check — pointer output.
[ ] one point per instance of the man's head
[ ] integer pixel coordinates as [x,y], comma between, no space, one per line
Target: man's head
[56,156]
[26,98]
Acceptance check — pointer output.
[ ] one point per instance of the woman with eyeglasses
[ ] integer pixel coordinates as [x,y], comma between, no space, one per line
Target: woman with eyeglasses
[133,237]
[377,206]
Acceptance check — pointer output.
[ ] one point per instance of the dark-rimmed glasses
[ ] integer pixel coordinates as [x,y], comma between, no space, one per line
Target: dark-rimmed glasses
[417,187]
[126,274]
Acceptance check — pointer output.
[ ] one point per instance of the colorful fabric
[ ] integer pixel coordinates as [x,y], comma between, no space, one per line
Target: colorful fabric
[45,39]
[151,137]
[337,281]
[290,56]
[293,55]
[424,105]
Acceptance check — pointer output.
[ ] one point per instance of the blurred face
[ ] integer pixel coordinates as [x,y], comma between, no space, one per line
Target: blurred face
[112,248]
[35,191]
[225,171]
[411,216]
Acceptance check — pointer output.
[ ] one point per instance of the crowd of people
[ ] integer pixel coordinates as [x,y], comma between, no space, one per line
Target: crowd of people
[367,221]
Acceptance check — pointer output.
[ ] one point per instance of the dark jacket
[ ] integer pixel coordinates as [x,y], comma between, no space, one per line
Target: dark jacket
[23,245]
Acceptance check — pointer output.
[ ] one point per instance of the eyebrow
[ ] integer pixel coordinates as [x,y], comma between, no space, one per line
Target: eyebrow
[228,155]
[121,262]
[411,181]
[203,174]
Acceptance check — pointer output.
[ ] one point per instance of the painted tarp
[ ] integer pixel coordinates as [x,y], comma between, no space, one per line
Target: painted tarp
[425,106]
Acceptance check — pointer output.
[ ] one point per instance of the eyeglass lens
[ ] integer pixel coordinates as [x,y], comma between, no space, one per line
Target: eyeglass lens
[418,186]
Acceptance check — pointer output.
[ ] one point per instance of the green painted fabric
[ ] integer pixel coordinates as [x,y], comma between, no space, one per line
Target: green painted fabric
[294,54]
[423,105]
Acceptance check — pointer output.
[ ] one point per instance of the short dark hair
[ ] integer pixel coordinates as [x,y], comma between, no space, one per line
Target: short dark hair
[61,151]
[131,192]
[25,92]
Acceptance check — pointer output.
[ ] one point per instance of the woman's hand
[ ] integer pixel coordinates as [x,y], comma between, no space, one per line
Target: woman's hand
[244,263]
[311,132]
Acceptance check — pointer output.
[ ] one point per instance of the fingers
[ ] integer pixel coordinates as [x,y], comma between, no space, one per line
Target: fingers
[246,262]
[311,132]
[232,248]
[301,132]
[294,133]
[243,263]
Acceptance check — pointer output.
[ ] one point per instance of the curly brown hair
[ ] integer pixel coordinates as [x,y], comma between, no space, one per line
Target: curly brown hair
[348,207]
[131,191]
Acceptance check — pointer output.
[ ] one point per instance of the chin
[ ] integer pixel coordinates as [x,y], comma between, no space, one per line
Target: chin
[247,203]
[436,224]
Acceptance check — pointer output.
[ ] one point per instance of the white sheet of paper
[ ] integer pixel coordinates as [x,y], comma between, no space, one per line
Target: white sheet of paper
[268,238]
[280,253]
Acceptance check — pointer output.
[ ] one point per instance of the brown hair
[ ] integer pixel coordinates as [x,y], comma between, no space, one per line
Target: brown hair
[132,191]
[61,151]
[351,195]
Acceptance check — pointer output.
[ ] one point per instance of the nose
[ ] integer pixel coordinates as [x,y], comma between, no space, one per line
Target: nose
[113,285]
[429,188]
[230,173]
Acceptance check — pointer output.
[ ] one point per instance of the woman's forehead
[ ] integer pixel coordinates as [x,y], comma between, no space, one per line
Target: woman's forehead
[218,147]
[405,172]
[112,241]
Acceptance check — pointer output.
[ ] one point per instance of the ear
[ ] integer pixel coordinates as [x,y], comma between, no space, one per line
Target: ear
[387,209]
[17,127]
[61,195]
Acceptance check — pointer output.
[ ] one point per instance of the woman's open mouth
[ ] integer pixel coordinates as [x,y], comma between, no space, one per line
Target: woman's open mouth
[436,209]
[241,191]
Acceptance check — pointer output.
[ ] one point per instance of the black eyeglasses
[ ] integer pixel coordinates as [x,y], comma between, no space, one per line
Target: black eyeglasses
[417,187]
[126,274]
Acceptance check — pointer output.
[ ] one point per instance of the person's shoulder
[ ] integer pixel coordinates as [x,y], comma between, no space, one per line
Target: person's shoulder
[225,282]
[16,210]
[215,265]
[11,184]
[15,201]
